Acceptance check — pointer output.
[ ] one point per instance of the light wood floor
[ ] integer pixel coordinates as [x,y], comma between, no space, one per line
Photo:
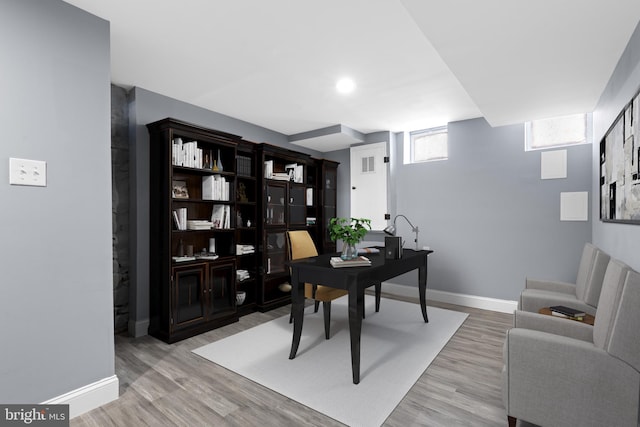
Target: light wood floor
[167,385]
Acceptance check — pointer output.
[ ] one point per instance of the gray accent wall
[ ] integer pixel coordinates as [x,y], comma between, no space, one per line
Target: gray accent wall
[56,308]
[621,241]
[146,107]
[486,213]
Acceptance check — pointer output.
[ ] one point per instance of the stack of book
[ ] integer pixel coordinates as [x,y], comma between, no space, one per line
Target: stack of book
[571,313]
[280,176]
[361,261]
[199,224]
[183,258]
[245,249]
[242,275]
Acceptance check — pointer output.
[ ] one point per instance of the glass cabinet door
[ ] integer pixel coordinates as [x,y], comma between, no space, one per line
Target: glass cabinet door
[275,206]
[329,200]
[222,296]
[276,252]
[188,294]
[297,205]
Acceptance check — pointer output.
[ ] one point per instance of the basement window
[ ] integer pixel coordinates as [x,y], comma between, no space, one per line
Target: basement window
[557,132]
[429,145]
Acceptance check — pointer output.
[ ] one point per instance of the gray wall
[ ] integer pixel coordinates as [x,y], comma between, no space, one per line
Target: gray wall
[56,309]
[487,214]
[621,241]
[146,107]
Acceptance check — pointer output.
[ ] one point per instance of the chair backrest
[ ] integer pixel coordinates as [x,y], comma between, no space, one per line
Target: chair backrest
[607,311]
[591,271]
[301,244]
[624,340]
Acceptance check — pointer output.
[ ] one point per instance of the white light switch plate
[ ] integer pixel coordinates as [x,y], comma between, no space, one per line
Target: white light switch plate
[27,172]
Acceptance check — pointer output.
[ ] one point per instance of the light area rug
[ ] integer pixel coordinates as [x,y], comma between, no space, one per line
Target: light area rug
[396,348]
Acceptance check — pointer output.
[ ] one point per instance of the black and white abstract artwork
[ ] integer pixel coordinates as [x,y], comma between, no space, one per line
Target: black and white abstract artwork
[620,167]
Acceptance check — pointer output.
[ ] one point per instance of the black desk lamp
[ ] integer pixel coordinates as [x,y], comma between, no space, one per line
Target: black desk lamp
[391,229]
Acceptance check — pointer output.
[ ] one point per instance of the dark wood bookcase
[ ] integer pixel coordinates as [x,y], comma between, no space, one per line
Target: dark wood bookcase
[189,295]
[247,221]
[285,204]
[221,176]
[327,204]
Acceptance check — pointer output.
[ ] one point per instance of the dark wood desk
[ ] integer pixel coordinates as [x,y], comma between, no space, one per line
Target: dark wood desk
[317,270]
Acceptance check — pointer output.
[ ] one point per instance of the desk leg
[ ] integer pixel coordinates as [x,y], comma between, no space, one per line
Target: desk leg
[297,311]
[422,286]
[378,288]
[356,308]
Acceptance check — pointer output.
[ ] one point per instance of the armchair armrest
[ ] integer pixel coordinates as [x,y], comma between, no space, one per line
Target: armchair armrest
[554,380]
[553,325]
[550,285]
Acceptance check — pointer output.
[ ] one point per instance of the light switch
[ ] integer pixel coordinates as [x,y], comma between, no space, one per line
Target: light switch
[27,172]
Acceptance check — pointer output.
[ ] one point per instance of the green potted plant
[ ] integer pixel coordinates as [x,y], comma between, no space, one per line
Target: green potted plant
[350,231]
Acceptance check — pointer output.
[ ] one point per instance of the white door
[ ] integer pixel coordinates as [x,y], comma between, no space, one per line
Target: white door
[369,183]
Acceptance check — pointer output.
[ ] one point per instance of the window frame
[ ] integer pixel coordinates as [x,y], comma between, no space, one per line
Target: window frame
[528,133]
[414,135]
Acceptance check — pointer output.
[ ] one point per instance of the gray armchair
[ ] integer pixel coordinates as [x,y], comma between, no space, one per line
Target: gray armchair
[558,372]
[582,295]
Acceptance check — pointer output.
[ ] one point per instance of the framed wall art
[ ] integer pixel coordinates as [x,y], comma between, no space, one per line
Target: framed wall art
[620,167]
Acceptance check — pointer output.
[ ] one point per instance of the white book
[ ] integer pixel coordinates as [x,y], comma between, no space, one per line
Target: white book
[207,188]
[227,216]
[268,168]
[183,218]
[176,220]
[310,196]
[192,154]
[217,216]
[298,175]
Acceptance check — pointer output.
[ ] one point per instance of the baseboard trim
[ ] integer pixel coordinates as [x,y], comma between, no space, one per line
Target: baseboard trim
[493,304]
[89,397]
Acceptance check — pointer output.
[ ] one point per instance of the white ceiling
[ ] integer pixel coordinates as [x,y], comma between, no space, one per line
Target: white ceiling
[416,63]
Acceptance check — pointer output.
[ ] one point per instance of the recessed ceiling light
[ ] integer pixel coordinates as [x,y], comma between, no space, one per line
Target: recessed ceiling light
[345,85]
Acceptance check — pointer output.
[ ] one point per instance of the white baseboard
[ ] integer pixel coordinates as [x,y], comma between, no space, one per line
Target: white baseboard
[89,397]
[493,304]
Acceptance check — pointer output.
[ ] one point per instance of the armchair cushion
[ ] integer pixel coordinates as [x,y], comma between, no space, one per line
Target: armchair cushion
[584,294]
[534,299]
[553,325]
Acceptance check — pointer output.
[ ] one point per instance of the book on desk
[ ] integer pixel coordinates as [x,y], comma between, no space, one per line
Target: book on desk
[361,261]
